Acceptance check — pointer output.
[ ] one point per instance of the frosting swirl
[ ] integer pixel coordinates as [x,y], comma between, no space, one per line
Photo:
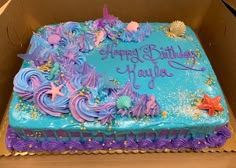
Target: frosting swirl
[26,81]
[46,105]
[83,110]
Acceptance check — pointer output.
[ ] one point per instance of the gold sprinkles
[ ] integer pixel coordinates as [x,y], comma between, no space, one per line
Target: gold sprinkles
[164,114]
[46,67]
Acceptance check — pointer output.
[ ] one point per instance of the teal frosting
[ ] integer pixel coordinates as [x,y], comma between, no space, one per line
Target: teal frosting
[176,94]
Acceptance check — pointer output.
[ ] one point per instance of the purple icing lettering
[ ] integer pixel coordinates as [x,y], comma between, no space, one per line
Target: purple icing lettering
[136,58]
[128,55]
[130,73]
[106,52]
[141,73]
[149,52]
[149,74]
[158,73]
[177,65]
[181,55]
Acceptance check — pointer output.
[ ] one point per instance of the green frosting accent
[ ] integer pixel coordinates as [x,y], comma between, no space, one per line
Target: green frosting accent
[54,71]
[123,102]
[85,28]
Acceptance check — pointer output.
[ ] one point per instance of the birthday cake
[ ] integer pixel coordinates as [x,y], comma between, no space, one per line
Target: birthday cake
[108,85]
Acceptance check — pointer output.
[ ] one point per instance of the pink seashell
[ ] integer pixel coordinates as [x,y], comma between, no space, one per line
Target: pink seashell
[54,39]
[132,26]
[100,37]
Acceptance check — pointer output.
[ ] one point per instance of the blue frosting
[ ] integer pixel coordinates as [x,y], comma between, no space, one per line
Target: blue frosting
[177,82]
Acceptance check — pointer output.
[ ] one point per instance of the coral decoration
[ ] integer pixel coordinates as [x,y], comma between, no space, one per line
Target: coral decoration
[132,26]
[55,91]
[211,104]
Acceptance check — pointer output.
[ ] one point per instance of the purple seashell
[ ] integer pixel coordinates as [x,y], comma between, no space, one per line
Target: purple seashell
[146,29]
[152,107]
[139,108]
[123,112]
[86,42]
[107,119]
[163,144]
[86,68]
[146,144]
[127,91]
[126,36]
[91,80]
[74,145]
[92,145]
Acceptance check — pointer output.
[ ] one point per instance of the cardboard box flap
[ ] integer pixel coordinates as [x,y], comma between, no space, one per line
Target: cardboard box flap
[231,3]
[217,34]
[3,2]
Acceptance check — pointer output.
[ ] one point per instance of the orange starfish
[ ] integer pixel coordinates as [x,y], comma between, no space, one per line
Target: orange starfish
[211,104]
[55,91]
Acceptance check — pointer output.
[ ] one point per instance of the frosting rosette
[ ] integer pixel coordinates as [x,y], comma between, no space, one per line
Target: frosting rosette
[83,108]
[44,103]
[26,81]
[73,28]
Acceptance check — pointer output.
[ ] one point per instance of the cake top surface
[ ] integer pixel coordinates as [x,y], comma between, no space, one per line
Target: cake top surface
[109,75]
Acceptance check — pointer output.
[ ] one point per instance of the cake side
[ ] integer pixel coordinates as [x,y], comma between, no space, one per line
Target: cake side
[107,80]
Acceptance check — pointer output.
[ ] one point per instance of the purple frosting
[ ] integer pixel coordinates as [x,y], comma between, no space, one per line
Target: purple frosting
[74,145]
[53,146]
[59,53]
[180,143]
[111,145]
[130,144]
[92,145]
[14,143]
[146,144]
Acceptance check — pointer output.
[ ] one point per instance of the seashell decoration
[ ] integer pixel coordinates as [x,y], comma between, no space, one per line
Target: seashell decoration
[123,102]
[132,26]
[178,28]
